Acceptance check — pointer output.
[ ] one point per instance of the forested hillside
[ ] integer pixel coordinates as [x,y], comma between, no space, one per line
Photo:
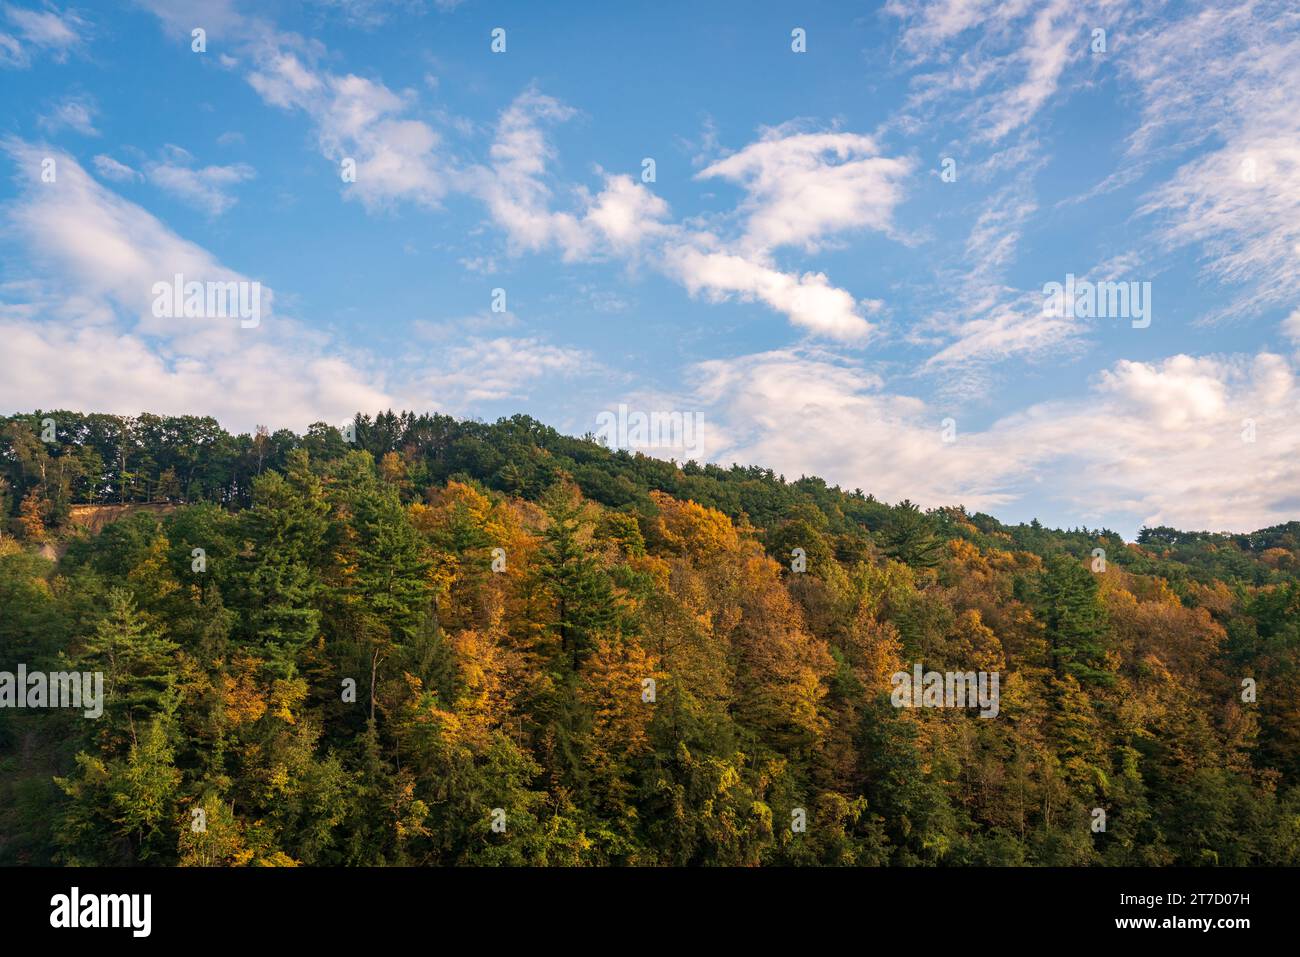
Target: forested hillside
[449,642]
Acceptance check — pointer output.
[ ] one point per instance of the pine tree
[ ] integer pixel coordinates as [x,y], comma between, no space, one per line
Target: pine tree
[281,566]
[1076,621]
[909,537]
[138,663]
[580,590]
[384,586]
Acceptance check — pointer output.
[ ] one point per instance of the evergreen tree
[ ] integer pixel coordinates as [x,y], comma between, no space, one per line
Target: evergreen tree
[909,537]
[1075,620]
[282,562]
[580,590]
[138,663]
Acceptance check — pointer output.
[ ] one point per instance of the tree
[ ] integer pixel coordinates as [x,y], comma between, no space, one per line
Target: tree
[581,592]
[909,537]
[138,663]
[1076,621]
[384,582]
[282,561]
[31,517]
[637,677]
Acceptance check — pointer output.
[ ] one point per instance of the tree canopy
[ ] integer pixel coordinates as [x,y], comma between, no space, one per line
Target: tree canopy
[453,642]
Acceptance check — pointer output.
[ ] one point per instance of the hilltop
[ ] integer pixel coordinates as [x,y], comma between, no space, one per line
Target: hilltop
[106,459]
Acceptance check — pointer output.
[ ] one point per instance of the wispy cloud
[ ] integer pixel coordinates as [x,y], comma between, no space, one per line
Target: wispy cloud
[83,333]
[111,169]
[29,33]
[206,188]
[76,113]
[90,246]
[394,157]
[1227,75]
[802,188]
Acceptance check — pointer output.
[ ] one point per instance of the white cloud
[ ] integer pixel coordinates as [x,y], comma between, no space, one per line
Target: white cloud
[504,368]
[627,215]
[837,182]
[513,187]
[76,113]
[1010,325]
[1048,44]
[39,31]
[106,246]
[1150,442]
[804,186]
[369,14]
[1011,67]
[1225,76]
[109,168]
[203,187]
[809,300]
[363,120]
[929,25]
[628,220]
[803,412]
[1166,442]
[1291,327]
[619,219]
[220,18]
[69,365]
[83,335]
[460,327]
[1211,90]
[980,319]
[801,188]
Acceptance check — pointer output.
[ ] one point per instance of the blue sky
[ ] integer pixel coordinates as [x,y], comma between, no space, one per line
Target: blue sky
[798,278]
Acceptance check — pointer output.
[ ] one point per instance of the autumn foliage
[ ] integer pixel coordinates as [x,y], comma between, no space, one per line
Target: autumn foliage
[452,643]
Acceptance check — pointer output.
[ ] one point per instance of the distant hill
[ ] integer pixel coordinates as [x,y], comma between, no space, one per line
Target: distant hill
[105,459]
